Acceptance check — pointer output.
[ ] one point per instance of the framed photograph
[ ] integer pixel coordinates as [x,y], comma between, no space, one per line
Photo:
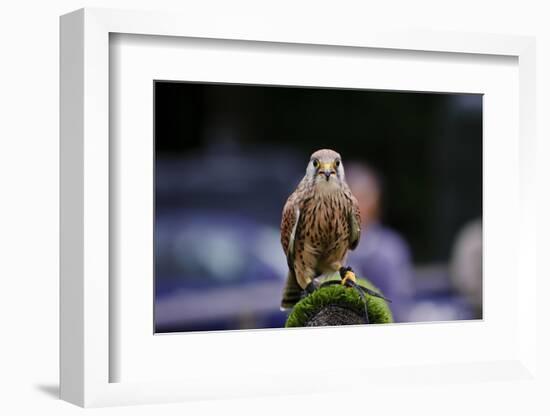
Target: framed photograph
[223,192]
[227,158]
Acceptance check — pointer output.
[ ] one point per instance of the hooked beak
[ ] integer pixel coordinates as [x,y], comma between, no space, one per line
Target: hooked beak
[327,169]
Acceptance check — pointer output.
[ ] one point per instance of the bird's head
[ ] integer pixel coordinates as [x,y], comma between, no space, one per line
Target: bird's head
[325,168]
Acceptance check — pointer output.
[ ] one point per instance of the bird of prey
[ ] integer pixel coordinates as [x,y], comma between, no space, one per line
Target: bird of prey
[320,223]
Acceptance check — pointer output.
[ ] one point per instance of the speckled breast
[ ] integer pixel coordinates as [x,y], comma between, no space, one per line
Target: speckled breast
[325,230]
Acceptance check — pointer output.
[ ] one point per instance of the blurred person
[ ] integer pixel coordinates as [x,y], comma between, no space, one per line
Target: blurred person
[466,267]
[382,255]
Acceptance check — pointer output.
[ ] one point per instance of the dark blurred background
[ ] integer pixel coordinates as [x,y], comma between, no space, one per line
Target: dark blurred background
[228,156]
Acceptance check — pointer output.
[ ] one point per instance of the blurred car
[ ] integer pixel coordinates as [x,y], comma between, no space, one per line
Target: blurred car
[218,259]
[217,272]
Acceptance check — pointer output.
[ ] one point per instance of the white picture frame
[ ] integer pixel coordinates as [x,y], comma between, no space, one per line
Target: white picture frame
[87,355]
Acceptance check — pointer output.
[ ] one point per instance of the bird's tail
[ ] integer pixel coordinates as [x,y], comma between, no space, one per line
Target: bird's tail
[292,292]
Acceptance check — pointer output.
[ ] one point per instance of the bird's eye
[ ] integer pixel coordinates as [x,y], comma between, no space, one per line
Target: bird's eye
[315,163]
[337,163]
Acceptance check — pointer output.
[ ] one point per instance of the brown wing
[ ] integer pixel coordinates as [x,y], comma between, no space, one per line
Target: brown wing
[354,221]
[289,224]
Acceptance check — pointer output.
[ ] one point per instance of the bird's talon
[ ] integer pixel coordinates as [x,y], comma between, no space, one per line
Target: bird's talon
[348,277]
[311,287]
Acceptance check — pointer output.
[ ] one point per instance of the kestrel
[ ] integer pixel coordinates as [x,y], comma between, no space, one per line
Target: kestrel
[320,224]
